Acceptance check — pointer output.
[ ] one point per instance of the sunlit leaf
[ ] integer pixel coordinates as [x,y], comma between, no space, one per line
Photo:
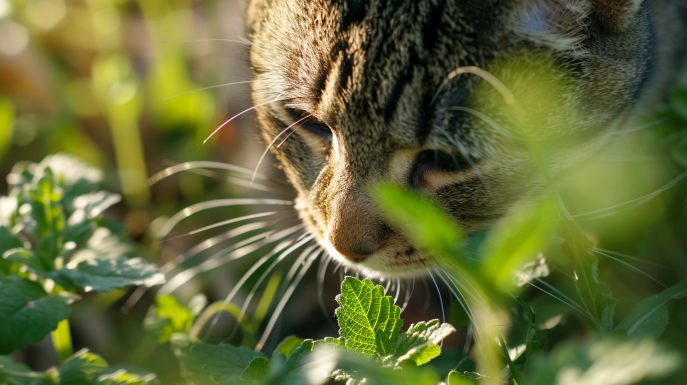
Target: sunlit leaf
[81,368]
[368,320]
[289,344]
[27,313]
[106,274]
[419,342]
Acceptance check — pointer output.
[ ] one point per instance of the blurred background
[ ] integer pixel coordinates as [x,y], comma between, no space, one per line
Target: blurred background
[110,81]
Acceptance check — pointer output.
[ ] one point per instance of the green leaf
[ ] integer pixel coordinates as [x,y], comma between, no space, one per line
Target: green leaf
[419,342]
[649,318]
[20,374]
[427,226]
[295,356]
[289,344]
[455,378]
[225,362]
[517,240]
[27,313]
[256,371]
[532,345]
[368,320]
[595,295]
[28,258]
[81,369]
[8,241]
[106,274]
[170,317]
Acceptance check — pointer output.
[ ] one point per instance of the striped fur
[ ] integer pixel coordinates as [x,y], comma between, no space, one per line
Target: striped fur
[370,71]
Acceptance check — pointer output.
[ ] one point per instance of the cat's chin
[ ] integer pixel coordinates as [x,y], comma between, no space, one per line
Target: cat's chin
[385,264]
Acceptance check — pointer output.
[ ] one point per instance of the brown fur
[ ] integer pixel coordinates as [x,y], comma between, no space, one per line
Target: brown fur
[369,71]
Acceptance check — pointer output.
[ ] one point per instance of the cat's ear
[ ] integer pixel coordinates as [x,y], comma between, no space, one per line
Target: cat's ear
[615,15]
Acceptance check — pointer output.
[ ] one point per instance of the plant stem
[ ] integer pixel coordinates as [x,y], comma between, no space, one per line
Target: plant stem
[516,375]
[62,341]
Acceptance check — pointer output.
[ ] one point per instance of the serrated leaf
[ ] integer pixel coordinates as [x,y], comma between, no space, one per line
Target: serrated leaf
[27,313]
[289,344]
[81,369]
[532,345]
[106,274]
[368,320]
[256,371]
[225,362]
[649,318]
[419,342]
[596,296]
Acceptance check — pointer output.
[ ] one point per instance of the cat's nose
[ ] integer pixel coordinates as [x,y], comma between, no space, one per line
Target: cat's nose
[350,254]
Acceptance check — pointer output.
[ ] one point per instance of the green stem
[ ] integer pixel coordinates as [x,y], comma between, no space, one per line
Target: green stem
[516,375]
[62,341]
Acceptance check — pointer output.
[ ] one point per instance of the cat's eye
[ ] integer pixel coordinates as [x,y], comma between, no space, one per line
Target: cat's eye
[432,161]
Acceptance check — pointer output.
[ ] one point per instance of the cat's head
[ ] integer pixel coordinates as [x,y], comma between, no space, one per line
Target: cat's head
[363,84]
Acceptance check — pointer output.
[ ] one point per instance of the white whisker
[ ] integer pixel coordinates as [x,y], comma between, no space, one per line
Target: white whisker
[193,209]
[441,301]
[272,143]
[284,299]
[630,266]
[322,270]
[187,166]
[230,221]
[223,257]
[207,88]
[237,115]
[642,127]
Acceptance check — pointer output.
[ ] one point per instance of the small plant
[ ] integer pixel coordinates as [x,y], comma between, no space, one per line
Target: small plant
[371,348]
[55,244]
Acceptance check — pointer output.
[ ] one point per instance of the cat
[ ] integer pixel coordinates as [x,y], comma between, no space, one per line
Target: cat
[357,92]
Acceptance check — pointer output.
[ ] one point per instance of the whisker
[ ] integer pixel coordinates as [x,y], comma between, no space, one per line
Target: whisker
[237,115]
[177,168]
[284,299]
[642,127]
[247,275]
[398,289]
[491,122]
[486,75]
[412,288]
[272,143]
[322,270]
[443,316]
[291,133]
[640,200]
[198,40]
[207,88]
[264,275]
[193,209]
[630,257]
[226,256]
[228,222]
[214,241]
[631,267]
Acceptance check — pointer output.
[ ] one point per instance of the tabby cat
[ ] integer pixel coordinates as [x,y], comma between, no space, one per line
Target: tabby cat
[364,87]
